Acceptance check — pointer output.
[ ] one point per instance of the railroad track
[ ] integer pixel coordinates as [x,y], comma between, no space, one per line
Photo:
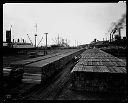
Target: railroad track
[58,86]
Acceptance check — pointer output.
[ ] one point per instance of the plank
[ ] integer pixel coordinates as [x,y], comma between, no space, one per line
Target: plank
[95,60]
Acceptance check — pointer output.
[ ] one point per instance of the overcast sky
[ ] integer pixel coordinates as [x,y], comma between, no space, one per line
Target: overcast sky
[82,22]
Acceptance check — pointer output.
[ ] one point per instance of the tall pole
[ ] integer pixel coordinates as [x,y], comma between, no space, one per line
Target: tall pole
[58,39]
[110,37]
[46,39]
[119,32]
[36,27]
[11,29]
[35,34]
[35,39]
[75,43]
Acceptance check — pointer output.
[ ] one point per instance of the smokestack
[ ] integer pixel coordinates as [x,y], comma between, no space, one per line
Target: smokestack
[18,40]
[13,40]
[94,40]
[119,32]
[110,37]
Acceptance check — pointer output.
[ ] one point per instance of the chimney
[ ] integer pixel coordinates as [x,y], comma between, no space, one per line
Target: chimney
[13,40]
[110,37]
[119,32]
[94,40]
[18,40]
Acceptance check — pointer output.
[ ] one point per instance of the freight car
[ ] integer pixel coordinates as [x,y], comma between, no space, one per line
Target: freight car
[100,72]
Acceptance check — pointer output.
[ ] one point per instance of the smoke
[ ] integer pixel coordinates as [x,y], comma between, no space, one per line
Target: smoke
[121,23]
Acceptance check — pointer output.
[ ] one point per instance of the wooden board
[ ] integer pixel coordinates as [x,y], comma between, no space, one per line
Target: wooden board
[95,60]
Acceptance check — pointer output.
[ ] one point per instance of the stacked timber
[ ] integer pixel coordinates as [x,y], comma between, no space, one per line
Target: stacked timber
[22,63]
[98,71]
[46,68]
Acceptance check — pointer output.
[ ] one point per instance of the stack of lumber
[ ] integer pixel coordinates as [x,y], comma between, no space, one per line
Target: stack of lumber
[99,68]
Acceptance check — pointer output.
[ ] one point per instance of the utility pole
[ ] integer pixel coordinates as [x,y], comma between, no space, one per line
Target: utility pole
[11,29]
[112,37]
[35,40]
[45,52]
[58,39]
[35,34]
[46,39]
[36,28]
[75,43]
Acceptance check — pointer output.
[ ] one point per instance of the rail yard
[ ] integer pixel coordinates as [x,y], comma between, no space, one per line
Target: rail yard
[64,51]
[82,73]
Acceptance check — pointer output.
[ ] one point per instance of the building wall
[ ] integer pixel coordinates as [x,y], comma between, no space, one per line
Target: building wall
[22,45]
[8,36]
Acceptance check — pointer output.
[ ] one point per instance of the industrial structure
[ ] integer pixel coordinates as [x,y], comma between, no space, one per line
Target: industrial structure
[18,44]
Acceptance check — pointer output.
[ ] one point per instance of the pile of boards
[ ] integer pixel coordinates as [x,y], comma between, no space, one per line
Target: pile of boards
[98,71]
